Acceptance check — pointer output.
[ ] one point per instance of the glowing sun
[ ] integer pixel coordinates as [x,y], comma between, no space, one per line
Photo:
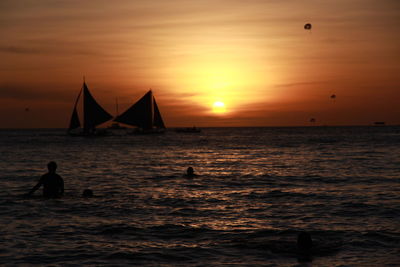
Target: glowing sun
[219,107]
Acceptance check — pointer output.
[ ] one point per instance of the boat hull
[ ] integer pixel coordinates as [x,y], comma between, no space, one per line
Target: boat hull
[97,133]
[147,131]
[188,130]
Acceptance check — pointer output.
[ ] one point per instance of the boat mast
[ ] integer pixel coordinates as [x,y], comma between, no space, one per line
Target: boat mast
[116,106]
[151,109]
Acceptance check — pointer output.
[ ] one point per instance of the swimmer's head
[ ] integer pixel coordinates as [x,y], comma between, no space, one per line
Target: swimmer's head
[304,241]
[87,193]
[190,171]
[52,166]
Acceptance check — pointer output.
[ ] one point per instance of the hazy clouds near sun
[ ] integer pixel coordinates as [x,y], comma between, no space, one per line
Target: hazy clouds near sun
[254,56]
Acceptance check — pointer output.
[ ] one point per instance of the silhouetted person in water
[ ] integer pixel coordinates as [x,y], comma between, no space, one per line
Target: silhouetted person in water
[304,247]
[87,193]
[53,184]
[190,172]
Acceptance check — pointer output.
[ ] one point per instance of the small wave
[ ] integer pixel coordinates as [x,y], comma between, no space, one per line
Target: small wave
[322,140]
[174,255]
[165,231]
[285,242]
[386,239]
[164,177]
[188,212]
[171,231]
[116,229]
[284,194]
[126,256]
[51,257]
[173,202]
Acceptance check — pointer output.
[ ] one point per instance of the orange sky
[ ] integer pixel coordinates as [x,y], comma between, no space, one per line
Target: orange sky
[254,56]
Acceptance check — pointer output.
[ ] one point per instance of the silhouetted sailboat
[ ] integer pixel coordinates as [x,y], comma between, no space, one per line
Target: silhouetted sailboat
[93,115]
[144,114]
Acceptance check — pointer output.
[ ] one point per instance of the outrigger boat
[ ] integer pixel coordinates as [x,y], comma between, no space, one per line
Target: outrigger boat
[144,115]
[93,115]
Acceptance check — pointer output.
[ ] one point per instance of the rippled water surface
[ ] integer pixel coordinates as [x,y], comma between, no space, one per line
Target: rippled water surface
[255,190]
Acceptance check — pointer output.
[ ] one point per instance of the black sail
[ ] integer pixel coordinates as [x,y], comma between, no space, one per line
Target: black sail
[94,114]
[158,121]
[75,123]
[139,114]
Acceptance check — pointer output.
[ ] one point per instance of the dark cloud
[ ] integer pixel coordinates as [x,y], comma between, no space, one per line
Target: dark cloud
[36,93]
[19,50]
[35,50]
[301,84]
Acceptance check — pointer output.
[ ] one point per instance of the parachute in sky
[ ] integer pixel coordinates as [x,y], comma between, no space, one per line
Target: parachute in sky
[307,26]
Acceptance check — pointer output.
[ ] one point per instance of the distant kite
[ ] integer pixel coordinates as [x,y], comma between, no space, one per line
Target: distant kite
[312,120]
[333,96]
[26,109]
[307,26]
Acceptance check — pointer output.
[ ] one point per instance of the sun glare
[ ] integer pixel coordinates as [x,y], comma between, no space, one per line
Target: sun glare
[219,107]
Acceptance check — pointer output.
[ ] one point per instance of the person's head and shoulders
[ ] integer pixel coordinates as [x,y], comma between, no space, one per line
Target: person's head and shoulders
[53,184]
[87,193]
[51,167]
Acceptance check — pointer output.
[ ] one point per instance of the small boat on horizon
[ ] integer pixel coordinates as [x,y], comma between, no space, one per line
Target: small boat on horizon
[93,115]
[145,115]
[193,129]
[379,123]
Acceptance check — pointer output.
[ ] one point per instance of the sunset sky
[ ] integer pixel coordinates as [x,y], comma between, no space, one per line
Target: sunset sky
[253,56]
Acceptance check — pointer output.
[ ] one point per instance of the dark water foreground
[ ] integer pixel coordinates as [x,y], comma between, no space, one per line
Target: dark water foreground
[256,189]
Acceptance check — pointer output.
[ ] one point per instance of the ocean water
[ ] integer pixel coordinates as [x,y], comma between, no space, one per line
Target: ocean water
[255,190]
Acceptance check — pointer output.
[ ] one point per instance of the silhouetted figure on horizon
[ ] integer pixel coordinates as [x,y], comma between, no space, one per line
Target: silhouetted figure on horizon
[87,193]
[304,247]
[53,184]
